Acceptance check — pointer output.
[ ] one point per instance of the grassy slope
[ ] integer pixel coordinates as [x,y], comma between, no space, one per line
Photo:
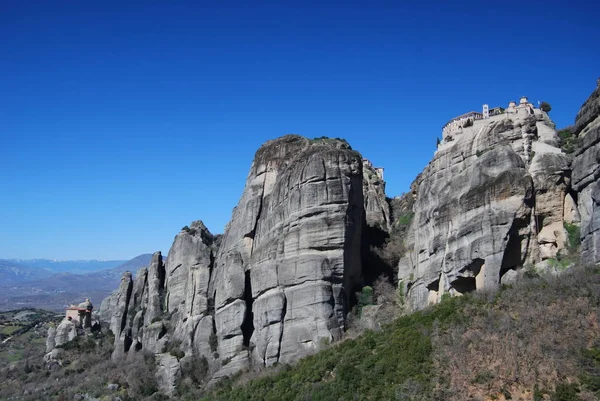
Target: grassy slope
[536,341]
[377,365]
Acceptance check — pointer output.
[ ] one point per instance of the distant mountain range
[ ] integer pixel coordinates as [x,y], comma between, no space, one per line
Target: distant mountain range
[52,285]
[69,266]
[12,272]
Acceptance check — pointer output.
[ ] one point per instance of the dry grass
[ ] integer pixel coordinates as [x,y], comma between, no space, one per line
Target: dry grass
[528,337]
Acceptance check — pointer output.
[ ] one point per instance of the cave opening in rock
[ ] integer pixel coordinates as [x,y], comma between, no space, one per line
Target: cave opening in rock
[512,257]
[248,323]
[475,266]
[464,285]
[434,286]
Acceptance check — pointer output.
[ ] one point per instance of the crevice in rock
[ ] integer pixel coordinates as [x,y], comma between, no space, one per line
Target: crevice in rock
[161,272]
[283,312]
[127,341]
[191,310]
[211,266]
[193,332]
[252,232]
[512,257]
[163,332]
[175,269]
[574,195]
[248,323]
[210,305]
[373,264]
[324,248]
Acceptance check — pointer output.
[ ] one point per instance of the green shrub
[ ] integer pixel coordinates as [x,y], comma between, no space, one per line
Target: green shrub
[573,235]
[566,392]
[545,107]
[405,219]
[568,141]
[177,353]
[365,298]
[213,341]
[590,379]
[468,123]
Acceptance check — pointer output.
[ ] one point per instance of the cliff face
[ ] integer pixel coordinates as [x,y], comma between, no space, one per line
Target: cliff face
[377,208]
[586,173]
[491,201]
[291,253]
[279,281]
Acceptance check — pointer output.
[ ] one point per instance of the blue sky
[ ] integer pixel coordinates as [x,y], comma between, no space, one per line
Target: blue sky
[121,123]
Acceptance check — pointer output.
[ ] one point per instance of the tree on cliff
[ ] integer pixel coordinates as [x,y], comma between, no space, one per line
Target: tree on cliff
[545,107]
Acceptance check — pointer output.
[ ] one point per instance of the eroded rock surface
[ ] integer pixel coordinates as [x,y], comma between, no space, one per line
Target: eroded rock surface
[277,284]
[491,201]
[291,254]
[586,174]
[377,208]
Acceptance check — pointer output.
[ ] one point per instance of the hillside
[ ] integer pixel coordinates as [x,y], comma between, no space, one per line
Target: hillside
[533,341]
[23,334]
[13,272]
[536,340]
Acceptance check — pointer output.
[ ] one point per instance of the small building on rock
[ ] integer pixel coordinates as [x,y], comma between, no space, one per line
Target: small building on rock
[81,314]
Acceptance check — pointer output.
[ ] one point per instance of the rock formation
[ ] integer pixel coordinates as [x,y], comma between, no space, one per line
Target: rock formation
[64,332]
[586,172]
[291,255]
[279,281]
[491,201]
[377,208]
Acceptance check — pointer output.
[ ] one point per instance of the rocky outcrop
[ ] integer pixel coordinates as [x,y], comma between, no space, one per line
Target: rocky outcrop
[50,339]
[276,285]
[57,336]
[168,372]
[290,256]
[377,208]
[65,331]
[586,174]
[189,270]
[491,201]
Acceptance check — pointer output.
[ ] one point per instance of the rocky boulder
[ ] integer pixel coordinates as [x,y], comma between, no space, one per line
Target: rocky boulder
[168,372]
[66,331]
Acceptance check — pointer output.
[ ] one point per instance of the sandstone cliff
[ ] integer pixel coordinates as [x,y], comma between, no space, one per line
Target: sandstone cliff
[586,174]
[492,200]
[276,285]
[291,254]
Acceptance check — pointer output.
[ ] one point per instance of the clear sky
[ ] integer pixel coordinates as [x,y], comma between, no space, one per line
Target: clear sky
[121,122]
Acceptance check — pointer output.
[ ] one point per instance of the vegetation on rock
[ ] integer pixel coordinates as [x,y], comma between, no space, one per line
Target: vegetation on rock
[545,107]
[536,339]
